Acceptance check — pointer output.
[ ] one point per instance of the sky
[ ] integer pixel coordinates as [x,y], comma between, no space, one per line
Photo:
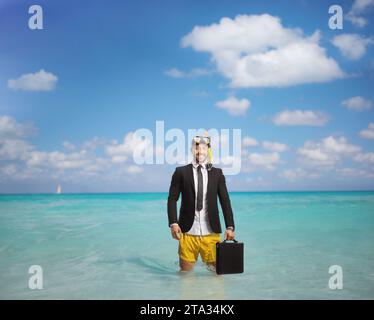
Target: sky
[73,92]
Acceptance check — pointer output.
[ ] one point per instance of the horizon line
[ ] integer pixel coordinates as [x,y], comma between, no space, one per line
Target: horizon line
[163,192]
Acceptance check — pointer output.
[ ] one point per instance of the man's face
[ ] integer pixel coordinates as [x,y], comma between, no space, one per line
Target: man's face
[200,152]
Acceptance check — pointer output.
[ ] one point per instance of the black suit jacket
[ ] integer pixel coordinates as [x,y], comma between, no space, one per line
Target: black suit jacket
[183,182]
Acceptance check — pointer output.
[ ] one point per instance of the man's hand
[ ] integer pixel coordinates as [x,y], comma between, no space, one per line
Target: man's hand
[229,234]
[175,231]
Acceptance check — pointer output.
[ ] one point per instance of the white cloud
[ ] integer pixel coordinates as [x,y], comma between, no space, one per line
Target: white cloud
[327,152]
[249,142]
[352,172]
[118,153]
[66,166]
[21,160]
[197,72]
[356,173]
[10,128]
[275,146]
[365,157]
[74,160]
[38,81]
[119,158]
[297,174]
[134,169]
[14,149]
[359,7]
[369,132]
[357,103]
[68,145]
[352,46]
[85,160]
[59,160]
[339,145]
[93,144]
[300,118]
[265,161]
[9,170]
[96,166]
[258,51]
[122,152]
[234,106]
[174,73]
[316,156]
[347,171]
[37,158]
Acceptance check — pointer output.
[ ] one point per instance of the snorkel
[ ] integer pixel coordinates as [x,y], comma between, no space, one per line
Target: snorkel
[209,165]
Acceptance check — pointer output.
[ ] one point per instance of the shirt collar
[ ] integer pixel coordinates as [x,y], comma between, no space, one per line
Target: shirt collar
[195,164]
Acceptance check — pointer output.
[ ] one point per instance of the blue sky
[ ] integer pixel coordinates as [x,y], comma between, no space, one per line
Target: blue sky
[72,92]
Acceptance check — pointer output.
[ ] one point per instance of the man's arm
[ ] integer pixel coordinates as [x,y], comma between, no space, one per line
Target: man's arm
[173,197]
[224,200]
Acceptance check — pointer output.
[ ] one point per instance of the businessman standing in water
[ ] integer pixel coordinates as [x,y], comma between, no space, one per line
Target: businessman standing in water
[198,228]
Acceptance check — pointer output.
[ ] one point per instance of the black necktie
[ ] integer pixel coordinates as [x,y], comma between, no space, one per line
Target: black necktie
[199,205]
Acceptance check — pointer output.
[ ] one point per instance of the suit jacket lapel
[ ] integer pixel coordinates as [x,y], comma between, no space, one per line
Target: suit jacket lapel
[192,181]
[210,177]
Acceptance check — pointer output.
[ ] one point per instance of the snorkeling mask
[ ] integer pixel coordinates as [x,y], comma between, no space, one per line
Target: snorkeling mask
[206,140]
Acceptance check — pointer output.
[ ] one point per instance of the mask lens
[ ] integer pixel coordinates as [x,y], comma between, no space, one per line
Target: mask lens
[198,139]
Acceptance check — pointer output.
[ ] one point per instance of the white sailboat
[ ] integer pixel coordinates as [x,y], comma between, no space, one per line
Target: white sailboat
[58,191]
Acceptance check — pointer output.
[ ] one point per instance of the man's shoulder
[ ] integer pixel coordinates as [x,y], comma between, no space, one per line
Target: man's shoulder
[181,168]
[216,170]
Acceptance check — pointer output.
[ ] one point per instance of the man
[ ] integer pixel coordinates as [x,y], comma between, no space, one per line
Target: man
[198,228]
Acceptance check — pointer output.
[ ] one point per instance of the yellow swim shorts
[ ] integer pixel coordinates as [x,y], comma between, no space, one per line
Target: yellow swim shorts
[191,245]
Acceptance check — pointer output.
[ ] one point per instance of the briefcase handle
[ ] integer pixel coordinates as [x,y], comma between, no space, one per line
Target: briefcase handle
[230,240]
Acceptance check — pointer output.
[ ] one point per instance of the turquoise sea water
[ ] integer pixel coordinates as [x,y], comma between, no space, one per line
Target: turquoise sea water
[118,246]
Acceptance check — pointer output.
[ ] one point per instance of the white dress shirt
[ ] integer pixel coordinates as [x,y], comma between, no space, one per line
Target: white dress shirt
[201,225]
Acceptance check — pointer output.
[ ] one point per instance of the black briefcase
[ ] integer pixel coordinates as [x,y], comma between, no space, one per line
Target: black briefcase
[229,257]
